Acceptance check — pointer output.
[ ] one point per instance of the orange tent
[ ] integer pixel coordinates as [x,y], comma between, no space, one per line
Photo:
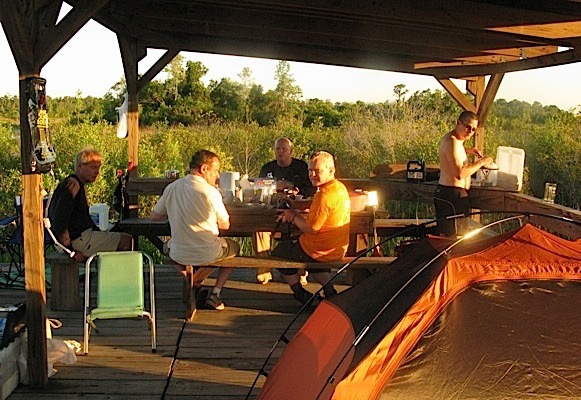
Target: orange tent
[351,346]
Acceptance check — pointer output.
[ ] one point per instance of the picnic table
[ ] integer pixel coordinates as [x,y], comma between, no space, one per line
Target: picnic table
[245,220]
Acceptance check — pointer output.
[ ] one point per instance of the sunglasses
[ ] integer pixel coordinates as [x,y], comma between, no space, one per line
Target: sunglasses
[468,128]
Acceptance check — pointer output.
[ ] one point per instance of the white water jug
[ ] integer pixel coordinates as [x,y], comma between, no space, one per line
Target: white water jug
[100,215]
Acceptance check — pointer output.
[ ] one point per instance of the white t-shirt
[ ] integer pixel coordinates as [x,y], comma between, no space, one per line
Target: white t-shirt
[194,209]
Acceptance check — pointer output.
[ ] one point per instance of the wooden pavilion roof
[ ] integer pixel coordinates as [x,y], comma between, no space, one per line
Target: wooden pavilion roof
[466,39]
[433,37]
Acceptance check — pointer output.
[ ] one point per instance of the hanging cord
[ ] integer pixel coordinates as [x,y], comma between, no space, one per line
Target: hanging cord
[46,219]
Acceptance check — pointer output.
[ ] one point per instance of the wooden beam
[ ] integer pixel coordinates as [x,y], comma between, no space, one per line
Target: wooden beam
[34,279]
[488,98]
[133,132]
[457,95]
[476,87]
[562,58]
[131,53]
[53,37]
[16,25]
[156,68]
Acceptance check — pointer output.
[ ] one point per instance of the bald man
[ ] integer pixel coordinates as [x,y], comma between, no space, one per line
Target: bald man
[292,175]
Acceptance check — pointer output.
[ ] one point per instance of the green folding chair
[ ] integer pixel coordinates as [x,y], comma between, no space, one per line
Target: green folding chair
[120,291]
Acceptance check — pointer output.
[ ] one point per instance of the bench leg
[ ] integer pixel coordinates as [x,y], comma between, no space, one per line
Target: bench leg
[192,288]
[65,294]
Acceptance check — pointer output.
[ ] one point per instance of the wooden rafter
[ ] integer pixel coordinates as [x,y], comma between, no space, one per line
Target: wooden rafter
[457,95]
[562,58]
[488,97]
[57,35]
[156,68]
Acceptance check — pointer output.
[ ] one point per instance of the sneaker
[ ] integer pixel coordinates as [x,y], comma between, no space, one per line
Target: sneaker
[264,278]
[302,296]
[215,302]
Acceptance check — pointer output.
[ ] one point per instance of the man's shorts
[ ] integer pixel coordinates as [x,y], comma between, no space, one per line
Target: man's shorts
[91,242]
[292,250]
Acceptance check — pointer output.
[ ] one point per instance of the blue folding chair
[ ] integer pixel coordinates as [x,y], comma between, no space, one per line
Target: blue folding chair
[120,290]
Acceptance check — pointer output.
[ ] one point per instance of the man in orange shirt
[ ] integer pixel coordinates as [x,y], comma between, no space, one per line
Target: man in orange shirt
[325,230]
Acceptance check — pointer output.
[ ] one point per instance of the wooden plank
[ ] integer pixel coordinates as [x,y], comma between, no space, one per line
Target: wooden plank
[524,203]
[272,262]
[141,186]
[399,222]
[218,354]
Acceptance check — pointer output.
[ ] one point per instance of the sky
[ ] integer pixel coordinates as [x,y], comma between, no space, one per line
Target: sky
[90,63]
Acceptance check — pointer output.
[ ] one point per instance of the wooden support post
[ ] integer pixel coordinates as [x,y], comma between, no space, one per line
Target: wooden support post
[33,234]
[35,279]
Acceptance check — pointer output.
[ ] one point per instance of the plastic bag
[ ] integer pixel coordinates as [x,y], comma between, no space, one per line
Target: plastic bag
[60,351]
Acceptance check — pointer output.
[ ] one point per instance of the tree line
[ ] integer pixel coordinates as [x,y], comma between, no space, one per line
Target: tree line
[239,120]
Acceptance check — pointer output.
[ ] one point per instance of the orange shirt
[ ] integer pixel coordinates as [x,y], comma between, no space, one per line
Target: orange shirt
[329,214]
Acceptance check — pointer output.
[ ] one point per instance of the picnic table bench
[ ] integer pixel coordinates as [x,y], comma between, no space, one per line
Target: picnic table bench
[64,282]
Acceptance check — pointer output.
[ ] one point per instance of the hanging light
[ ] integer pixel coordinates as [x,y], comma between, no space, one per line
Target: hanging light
[372,200]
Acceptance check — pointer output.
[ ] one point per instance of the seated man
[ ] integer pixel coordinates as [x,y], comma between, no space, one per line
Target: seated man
[292,175]
[69,212]
[195,210]
[325,231]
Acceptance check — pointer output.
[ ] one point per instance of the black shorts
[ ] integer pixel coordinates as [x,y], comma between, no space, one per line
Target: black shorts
[292,250]
[450,200]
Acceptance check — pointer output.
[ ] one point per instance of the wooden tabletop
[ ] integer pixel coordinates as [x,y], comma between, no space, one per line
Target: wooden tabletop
[244,222]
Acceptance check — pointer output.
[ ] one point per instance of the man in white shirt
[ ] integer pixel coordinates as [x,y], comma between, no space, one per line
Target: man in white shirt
[195,210]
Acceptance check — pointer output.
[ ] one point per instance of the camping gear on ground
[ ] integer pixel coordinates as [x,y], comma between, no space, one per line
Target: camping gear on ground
[352,345]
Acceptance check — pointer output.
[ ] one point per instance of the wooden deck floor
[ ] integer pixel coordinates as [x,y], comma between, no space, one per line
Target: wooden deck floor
[217,356]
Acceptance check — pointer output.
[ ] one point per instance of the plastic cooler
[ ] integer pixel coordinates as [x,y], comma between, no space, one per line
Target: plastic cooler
[511,163]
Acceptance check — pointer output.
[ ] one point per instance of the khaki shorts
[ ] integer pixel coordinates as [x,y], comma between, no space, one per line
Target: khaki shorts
[91,242]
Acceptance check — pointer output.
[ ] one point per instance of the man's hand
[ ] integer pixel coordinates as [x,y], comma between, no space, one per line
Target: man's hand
[485,161]
[78,256]
[290,215]
[65,239]
[474,151]
[73,186]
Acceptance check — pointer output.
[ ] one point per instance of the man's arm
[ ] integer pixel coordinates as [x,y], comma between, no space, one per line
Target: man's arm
[224,224]
[61,211]
[157,216]
[464,169]
[294,217]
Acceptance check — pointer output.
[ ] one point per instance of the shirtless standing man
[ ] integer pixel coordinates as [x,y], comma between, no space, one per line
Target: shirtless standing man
[451,195]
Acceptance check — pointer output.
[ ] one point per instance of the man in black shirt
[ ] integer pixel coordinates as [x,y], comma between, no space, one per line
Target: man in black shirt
[291,175]
[69,212]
